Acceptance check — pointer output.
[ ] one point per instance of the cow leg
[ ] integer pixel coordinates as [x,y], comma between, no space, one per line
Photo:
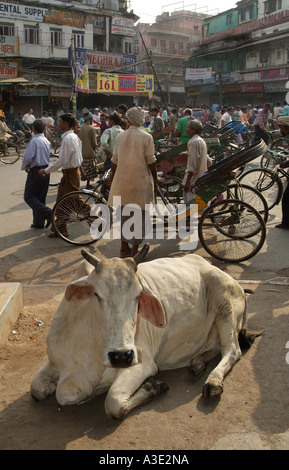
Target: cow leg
[132,388]
[44,383]
[230,352]
[199,364]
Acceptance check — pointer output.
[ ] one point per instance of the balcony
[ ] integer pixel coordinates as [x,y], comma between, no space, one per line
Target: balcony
[168,51]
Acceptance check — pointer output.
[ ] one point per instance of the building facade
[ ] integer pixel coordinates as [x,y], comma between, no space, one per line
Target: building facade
[40,42]
[169,41]
[247,48]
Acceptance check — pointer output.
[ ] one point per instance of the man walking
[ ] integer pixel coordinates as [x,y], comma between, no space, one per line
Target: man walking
[35,158]
[70,159]
[134,172]
[197,163]
[87,136]
[261,123]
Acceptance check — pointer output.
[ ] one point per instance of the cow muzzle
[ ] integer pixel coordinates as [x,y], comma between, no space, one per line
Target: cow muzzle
[121,358]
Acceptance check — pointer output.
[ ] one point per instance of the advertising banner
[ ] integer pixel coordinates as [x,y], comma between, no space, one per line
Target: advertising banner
[111,83]
[9,46]
[8,70]
[274,74]
[82,80]
[198,74]
[123,26]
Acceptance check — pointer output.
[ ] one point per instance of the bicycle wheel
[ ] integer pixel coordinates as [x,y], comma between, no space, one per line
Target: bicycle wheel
[55,176]
[266,182]
[10,154]
[81,217]
[251,195]
[231,231]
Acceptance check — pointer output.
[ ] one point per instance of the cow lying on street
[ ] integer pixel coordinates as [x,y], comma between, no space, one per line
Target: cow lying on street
[120,322]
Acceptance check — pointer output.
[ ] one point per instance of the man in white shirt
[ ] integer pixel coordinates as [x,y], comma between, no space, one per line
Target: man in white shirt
[197,163]
[28,118]
[96,116]
[227,117]
[70,159]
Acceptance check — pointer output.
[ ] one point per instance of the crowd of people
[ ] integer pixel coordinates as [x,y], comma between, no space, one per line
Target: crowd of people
[124,139]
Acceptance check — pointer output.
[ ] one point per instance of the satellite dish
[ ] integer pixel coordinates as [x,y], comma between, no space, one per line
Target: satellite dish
[287,85]
[287,98]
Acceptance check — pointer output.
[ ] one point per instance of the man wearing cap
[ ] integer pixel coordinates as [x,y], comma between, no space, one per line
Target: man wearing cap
[133,167]
[96,116]
[87,136]
[283,122]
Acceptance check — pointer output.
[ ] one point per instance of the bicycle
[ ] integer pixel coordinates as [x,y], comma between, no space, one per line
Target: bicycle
[10,151]
[268,181]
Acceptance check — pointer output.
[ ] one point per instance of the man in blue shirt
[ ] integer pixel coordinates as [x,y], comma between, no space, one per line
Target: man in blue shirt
[36,157]
[19,126]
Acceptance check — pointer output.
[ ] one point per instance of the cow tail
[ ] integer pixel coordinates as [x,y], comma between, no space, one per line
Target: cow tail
[246,338]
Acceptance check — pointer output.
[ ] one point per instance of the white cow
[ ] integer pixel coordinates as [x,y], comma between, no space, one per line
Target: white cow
[120,321]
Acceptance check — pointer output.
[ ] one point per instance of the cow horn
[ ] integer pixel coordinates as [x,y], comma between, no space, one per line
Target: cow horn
[90,258]
[138,258]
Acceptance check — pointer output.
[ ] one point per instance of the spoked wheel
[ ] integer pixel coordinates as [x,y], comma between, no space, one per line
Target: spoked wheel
[81,217]
[232,231]
[266,182]
[250,195]
[55,176]
[10,154]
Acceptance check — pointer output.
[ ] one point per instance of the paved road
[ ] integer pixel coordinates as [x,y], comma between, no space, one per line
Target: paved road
[29,256]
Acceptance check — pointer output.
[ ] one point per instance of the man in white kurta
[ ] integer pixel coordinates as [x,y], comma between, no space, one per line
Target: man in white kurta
[197,163]
[134,170]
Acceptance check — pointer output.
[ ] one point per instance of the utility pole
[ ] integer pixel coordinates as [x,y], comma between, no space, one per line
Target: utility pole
[73,67]
[154,72]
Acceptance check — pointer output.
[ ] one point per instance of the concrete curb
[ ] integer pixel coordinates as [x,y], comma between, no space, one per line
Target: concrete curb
[11,303]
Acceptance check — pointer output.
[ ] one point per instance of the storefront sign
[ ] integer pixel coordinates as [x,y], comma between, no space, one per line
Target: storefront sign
[275,74]
[22,12]
[109,61]
[67,18]
[251,87]
[63,92]
[275,88]
[9,46]
[198,74]
[8,70]
[33,92]
[122,26]
[111,83]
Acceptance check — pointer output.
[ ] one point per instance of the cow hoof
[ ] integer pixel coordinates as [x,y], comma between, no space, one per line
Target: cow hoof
[197,368]
[211,391]
[155,387]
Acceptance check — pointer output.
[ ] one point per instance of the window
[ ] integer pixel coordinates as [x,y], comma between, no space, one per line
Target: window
[7,30]
[172,45]
[180,46]
[31,35]
[153,42]
[128,48]
[229,18]
[196,28]
[163,45]
[55,37]
[264,55]
[272,5]
[78,39]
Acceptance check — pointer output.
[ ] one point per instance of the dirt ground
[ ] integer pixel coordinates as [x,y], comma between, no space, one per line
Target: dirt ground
[252,413]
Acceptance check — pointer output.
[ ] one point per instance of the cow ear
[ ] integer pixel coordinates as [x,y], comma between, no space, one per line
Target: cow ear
[150,308]
[78,291]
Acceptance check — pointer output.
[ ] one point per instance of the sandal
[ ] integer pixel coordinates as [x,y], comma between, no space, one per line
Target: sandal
[125,254]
